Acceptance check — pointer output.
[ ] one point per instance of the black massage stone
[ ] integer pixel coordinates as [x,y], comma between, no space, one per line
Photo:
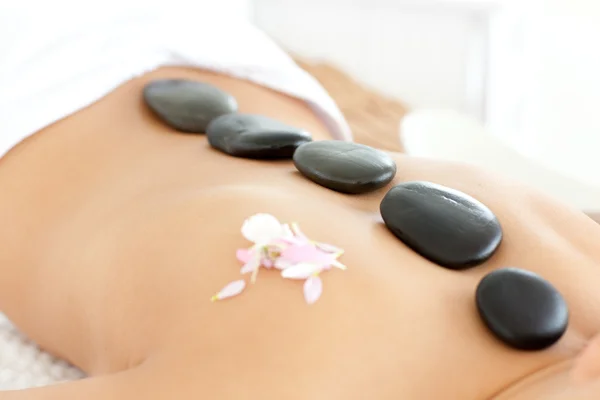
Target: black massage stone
[522,309]
[187,106]
[345,166]
[443,225]
[255,136]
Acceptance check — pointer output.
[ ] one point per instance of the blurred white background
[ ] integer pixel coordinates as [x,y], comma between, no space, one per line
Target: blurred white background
[526,69]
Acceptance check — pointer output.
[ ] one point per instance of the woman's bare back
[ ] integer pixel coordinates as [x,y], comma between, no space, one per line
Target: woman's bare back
[122,230]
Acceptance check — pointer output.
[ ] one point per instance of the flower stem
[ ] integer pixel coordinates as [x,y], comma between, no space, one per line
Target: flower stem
[254,275]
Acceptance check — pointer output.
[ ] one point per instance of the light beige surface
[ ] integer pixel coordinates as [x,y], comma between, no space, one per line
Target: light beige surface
[452,136]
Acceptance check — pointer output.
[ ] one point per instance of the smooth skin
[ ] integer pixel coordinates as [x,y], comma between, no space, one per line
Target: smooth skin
[117,231]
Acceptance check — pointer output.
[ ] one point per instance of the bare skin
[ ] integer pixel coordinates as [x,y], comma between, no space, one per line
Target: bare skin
[118,230]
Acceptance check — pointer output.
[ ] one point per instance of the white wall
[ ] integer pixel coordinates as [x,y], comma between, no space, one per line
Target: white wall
[233,7]
[545,84]
[529,69]
[429,53]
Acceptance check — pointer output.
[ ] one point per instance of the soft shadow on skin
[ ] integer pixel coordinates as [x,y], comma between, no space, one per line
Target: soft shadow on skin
[296,175]
[515,389]
[366,202]
[560,378]
[594,215]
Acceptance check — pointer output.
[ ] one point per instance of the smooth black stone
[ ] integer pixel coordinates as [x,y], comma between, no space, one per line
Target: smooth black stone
[444,225]
[522,309]
[255,136]
[345,166]
[187,106]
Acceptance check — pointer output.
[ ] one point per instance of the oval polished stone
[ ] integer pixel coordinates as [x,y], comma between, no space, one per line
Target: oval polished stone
[444,225]
[255,136]
[522,309]
[187,106]
[345,166]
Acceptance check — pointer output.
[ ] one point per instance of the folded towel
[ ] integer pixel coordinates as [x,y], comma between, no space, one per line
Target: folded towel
[24,365]
[54,63]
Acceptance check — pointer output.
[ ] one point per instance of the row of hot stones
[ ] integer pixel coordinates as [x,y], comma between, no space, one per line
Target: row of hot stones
[447,227]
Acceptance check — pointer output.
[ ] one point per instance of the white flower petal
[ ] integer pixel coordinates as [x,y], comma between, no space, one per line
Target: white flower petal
[232,289]
[250,266]
[313,288]
[287,231]
[282,264]
[300,271]
[339,265]
[262,229]
[298,232]
[329,248]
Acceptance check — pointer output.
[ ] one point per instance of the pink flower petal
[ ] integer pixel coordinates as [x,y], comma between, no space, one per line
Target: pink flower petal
[244,255]
[313,287]
[300,271]
[231,290]
[286,241]
[307,253]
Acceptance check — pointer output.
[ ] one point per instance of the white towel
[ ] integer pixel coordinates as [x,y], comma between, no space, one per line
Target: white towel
[58,57]
[24,365]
